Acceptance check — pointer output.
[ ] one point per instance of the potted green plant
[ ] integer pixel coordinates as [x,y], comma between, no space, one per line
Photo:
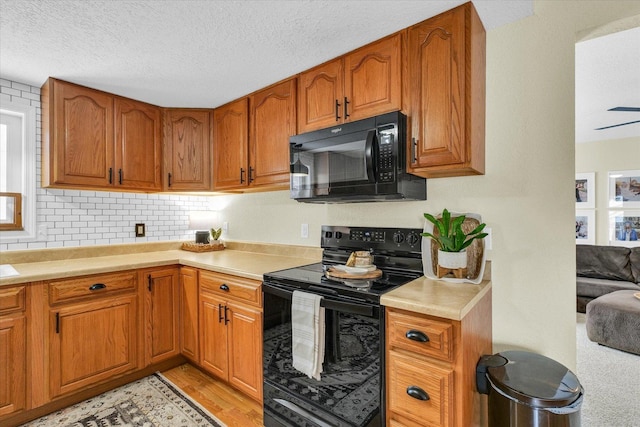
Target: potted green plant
[451,239]
[215,233]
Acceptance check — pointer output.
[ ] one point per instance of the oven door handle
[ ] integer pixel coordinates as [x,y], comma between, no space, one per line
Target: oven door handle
[329,304]
[369,156]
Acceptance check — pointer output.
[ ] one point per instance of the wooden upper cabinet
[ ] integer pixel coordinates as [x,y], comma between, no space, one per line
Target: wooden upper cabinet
[187,141]
[446,65]
[231,145]
[272,122]
[138,153]
[77,143]
[361,84]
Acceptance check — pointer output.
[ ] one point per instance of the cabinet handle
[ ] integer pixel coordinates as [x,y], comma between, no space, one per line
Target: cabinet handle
[224,287]
[97,287]
[169,179]
[346,114]
[417,393]
[419,336]
[241,175]
[110,175]
[337,110]
[414,150]
[120,176]
[57,323]
[251,178]
[220,313]
[226,319]
[149,281]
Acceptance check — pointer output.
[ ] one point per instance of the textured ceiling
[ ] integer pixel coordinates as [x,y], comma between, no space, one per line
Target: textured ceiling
[200,53]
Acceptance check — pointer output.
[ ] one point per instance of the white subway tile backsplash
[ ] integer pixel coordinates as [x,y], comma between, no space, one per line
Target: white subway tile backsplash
[86,218]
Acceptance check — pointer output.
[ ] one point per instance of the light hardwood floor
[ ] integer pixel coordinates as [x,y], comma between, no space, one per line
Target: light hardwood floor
[230,406]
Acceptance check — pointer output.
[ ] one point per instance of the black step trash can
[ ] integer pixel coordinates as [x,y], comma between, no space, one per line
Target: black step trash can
[527,389]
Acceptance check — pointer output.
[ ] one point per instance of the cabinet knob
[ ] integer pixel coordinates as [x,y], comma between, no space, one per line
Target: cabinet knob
[418,336]
[241,175]
[346,112]
[169,180]
[224,287]
[417,393]
[337,110]
[97,287]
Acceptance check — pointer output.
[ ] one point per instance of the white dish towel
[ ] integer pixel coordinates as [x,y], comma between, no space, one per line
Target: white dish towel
[307,333]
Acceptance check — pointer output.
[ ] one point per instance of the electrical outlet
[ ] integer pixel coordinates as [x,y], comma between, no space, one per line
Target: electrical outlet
[225,227]
[487,240]
[140,230]
[42,232]
[304,231]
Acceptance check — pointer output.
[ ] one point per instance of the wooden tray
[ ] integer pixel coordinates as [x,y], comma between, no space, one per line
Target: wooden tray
[332,272]
[202,247]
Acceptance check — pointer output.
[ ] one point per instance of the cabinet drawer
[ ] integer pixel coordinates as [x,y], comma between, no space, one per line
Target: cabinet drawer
[420,392]
[237,288]
[91,286]
[420,334]
[12,299]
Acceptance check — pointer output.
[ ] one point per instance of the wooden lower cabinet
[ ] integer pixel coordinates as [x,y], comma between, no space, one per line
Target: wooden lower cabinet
[13,339]
[188,322]
[231,331]
[93,330]
[161,313]
[430,367]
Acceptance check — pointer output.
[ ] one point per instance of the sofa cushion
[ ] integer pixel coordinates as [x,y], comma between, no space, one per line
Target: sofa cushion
[634,260]
[604,262]
[593,288]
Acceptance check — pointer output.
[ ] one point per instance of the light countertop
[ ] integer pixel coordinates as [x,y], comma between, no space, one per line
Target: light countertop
[423,295]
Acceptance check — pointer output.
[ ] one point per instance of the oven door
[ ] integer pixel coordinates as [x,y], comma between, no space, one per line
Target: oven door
[338,165]
[351,390]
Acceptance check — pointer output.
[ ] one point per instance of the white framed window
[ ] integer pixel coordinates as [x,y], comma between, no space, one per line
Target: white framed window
[18,164]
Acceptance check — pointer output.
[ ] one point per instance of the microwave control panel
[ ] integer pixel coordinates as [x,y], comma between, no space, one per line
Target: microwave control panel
[386,157]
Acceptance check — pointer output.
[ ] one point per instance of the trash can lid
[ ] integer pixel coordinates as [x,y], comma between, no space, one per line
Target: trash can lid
[535,380]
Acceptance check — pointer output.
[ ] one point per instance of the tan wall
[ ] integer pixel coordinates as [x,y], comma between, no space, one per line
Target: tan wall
[526,196]
[601,157]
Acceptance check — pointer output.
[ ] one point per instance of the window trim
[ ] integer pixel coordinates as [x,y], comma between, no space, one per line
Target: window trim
[29,124]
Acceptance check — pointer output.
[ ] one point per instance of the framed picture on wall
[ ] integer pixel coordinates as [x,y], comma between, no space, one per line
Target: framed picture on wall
[624,189]
[624,228]
[585,227]
[585,190]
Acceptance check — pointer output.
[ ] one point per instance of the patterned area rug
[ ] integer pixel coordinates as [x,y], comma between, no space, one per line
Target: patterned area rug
[149,402]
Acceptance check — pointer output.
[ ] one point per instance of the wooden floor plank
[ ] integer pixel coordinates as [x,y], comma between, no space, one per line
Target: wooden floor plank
[229,405]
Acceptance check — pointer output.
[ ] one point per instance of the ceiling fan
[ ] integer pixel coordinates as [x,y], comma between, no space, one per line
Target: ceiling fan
[626,109]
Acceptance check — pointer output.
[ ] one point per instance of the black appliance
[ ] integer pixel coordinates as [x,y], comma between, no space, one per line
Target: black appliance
[351,389]
[360,161]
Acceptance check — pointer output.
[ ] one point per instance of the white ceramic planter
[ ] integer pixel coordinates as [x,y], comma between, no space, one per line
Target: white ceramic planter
[452,260]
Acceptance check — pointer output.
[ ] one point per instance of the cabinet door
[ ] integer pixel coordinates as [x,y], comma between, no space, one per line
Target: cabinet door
[187,141]
[372,79]
[137,145]
[12,364]
[230,145]
[91,342]
[189,313]
[273,121]
[213,336]
[245,350]
[81,145]
[446,77]
[321,96]
[161,314]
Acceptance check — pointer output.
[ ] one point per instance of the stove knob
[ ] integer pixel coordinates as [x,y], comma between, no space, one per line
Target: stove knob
[398,237]
[338,235]
[413,238]
[328,234]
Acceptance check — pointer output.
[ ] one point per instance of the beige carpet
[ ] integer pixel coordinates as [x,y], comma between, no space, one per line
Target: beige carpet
[149,402]
[611,379]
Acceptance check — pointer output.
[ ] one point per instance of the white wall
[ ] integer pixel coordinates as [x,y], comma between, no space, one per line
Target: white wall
[601,157]
[526,196]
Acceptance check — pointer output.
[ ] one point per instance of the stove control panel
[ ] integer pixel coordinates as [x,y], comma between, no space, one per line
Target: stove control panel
[371,238]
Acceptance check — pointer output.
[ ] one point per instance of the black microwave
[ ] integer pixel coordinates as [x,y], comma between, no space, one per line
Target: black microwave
[360,161]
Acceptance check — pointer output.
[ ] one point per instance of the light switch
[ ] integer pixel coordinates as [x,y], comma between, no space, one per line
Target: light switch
[139,230]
